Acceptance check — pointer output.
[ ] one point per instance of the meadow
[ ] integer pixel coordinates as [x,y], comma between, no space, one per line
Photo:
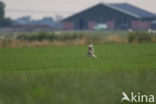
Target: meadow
[65,75]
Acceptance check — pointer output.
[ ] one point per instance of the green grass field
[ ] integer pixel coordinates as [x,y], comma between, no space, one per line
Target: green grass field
[64,75]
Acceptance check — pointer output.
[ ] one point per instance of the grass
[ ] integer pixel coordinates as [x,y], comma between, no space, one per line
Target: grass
[64,75]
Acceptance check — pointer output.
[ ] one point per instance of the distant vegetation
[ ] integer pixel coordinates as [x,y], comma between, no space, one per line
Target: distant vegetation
[141,37]
[27,20]
[74,38]
[48,36]
[3,21]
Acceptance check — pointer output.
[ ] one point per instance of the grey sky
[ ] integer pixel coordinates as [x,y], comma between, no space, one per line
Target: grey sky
[40,8]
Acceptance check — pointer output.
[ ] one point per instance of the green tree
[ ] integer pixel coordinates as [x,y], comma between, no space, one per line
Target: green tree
[3,21]
[2,12]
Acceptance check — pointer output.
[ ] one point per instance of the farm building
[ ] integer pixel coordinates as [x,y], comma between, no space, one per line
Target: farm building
[111,16]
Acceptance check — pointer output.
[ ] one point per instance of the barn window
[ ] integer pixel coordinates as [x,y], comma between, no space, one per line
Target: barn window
[104,20]
[123,23]
[125,20]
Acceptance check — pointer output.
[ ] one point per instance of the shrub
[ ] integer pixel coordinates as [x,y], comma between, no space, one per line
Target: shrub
[139,37]
[144,37]
[132,37]
[40,36]
[70,37]
[49,36]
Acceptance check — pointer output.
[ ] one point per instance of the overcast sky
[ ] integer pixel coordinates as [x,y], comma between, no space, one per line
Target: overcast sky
[40,8]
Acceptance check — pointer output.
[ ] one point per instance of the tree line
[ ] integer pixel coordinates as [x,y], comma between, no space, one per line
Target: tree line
[3,20]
